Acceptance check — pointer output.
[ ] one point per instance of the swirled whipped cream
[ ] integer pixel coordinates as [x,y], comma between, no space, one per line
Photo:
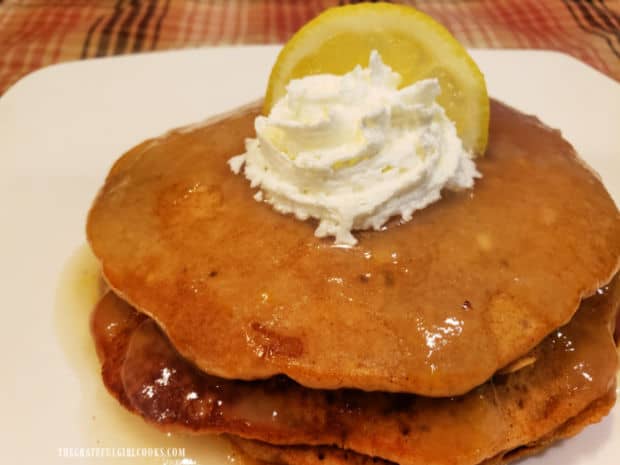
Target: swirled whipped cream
[354,150]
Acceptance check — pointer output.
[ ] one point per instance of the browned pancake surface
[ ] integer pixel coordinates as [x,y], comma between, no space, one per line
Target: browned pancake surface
[575,366]
[255,452]
[433,306]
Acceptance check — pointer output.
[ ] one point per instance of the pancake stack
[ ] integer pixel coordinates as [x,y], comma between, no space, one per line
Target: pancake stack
[479,332]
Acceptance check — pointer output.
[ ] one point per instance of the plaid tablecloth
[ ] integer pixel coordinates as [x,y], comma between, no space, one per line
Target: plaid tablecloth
[36,33]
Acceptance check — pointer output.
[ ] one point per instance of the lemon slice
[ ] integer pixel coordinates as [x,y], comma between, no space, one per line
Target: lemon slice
[409,41]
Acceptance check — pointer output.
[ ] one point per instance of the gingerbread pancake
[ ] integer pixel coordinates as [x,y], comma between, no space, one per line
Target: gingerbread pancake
[434,306]
[256,452]
[569,385]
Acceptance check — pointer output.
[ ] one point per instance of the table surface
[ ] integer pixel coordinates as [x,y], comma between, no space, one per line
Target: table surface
[37,33]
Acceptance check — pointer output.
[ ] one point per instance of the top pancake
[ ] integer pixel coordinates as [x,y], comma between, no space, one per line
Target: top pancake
[433,306]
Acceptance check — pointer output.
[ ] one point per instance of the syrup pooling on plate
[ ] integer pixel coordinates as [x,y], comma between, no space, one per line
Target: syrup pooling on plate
[101,421]
[574,367]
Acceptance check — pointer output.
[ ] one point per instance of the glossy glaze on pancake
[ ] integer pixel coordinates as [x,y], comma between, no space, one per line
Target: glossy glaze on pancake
[256,452]
[575,366]
[434,306]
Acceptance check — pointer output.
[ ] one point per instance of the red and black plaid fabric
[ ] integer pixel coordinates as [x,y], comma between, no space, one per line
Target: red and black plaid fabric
[35,33]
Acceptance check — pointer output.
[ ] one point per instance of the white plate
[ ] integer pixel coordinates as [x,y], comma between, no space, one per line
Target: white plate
[60,130]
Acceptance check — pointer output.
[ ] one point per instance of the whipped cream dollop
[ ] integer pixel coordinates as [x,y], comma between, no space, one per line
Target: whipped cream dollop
[354,150]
